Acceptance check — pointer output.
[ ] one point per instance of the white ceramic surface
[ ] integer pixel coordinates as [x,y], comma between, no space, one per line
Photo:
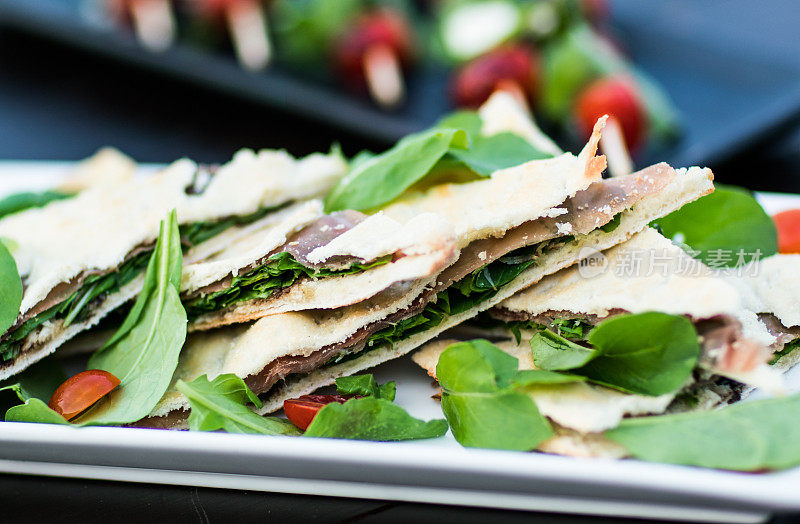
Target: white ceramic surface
[435,471]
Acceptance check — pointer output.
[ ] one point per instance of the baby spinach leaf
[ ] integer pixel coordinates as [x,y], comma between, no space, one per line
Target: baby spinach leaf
[22,201]
[365,386]
[718,226]
[541,377]
[494,152]
[648,353]
[143,353]
[479,402]
[749,436]
[384,177]
[488,154]
[372,419]
[221,404]
[33,410]
[10,289]
[554,352]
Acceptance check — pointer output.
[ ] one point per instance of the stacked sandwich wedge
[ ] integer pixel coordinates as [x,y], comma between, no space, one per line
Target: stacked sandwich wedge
[82,257]
[558,313]
[508,231]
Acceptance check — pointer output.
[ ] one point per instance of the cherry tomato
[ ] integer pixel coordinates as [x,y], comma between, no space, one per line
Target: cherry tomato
[301,411]
[512,63]
[379,28]
[616,97]
[80,392]
[788,225]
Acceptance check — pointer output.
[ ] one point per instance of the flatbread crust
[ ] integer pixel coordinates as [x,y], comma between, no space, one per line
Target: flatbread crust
[100,226]
[302,332]
[426,243]
[646,273]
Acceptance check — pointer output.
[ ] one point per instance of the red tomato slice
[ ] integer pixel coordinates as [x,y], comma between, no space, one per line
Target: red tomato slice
[788,225]
[301,411]
[80,392]
[616,97]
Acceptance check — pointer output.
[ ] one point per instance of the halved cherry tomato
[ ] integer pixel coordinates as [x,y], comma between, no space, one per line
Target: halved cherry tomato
[788,225]
[301,411]
[615,97]
[510,64]
[80,392]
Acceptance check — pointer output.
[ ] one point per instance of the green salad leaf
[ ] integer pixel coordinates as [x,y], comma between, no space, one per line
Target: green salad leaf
[452,150]
[384,177]
[720,226]
[365,386]
[371,418]
[33,410]
[554,352]
[481,403]
[143,353]
[748,436]
[22,201]
[647,353]
[221,404]
[10,289]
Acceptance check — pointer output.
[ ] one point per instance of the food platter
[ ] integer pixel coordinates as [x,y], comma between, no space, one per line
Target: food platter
[432,471]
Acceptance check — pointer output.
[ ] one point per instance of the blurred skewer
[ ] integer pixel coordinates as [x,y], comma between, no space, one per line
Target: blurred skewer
[384,75]
[247,23]
[373,53]
[153,21]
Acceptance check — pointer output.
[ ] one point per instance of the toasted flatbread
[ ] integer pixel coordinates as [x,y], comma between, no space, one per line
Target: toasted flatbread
[301,334]
[97,230]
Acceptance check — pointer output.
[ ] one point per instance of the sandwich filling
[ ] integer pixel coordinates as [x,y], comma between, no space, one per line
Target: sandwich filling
[74,301]
[484,267]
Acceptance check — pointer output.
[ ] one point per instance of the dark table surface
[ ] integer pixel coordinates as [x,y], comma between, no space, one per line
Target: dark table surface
[56,103]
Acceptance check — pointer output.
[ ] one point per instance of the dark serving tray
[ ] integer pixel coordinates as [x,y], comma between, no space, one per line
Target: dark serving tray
[732,69]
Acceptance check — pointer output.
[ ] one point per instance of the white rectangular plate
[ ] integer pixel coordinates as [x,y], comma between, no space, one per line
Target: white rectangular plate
[435,471]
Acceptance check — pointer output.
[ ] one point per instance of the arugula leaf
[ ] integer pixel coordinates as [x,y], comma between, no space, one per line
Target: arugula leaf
[554,352]
[729,219]
[479,402]
[143,353]
[748,436]
[10,289]
[221,404]
[372,418]
[365,386]
[384,177]
[279,271]
[22,201]
[788,348]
